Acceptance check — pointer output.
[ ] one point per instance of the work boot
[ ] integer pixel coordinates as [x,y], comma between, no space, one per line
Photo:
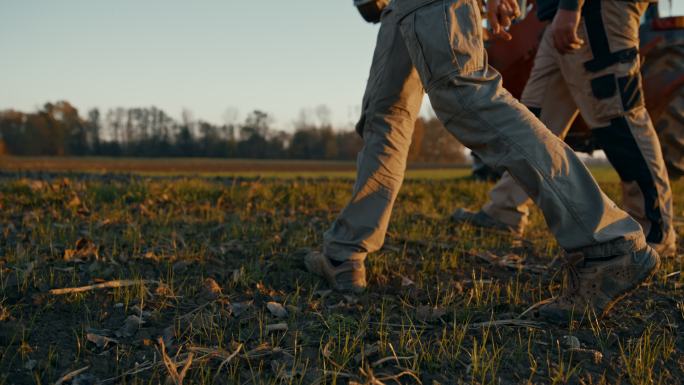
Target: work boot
[668,247]
[665,249]
[593,287]
[483,220]
[347,276]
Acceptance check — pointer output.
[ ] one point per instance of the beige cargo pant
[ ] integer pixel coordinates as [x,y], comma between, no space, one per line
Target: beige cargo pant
[602,80]
[438,48]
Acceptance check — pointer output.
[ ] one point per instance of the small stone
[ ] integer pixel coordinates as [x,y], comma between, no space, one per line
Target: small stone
[277,309]
[30,364]
[570,342]
[279,327]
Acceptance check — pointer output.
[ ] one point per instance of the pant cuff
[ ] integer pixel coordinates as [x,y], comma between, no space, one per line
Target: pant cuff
[342,254]
[515,220]
[613,248]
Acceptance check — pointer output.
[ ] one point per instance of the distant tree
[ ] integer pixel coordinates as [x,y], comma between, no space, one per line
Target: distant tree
[253,141]
[437,145]
[257,123]
[94,126]
[57,129]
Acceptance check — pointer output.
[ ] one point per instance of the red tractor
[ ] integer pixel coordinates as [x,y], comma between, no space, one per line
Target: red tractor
[662,51]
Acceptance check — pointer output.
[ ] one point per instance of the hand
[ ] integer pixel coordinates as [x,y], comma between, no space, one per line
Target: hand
[564,29]
[500,14]
[509,10]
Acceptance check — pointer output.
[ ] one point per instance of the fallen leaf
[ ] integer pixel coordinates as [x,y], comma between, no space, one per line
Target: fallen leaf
[74,202]
[237,309]
[130,326]
[211,289]
[587,354]
[405,281]
[100,340]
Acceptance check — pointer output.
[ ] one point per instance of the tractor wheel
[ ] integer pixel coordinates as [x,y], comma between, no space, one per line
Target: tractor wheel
[670,123]
[670,127]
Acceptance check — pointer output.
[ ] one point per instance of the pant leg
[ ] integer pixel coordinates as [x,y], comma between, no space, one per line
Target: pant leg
[391,105]
[605,80]
[546,96]
[445,44]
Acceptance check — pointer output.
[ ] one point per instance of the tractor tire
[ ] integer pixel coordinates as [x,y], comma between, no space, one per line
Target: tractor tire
[670,127]
[670,123]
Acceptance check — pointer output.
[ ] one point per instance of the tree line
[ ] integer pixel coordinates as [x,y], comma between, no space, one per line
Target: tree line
[57,129]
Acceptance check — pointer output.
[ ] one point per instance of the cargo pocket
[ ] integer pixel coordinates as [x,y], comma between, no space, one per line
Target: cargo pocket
[606,104]
[444,38]
[464,32]
[415,48]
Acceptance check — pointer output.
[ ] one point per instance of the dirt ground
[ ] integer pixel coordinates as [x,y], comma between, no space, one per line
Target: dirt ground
[200,280]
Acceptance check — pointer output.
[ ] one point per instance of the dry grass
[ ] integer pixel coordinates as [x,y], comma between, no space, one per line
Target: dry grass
[215,291]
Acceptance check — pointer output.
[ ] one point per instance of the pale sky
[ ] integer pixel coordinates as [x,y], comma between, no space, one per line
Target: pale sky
[203,55]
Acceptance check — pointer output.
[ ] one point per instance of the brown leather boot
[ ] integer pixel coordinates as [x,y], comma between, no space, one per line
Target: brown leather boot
[349,276]
[591,288]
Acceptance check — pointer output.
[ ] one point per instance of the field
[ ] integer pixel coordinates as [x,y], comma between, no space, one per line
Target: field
[195,275]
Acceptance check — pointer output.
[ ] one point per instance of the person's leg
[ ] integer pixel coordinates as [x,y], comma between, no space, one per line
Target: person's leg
[391,105]
[604,78]
[546,96]
[469,99]
[445,44]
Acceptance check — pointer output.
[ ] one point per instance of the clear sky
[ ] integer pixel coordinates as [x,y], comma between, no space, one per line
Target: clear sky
[203,55]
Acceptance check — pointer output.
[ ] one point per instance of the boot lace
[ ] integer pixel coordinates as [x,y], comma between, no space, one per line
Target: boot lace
[571,283]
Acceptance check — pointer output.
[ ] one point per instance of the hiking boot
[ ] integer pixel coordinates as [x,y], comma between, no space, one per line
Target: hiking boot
[593,287]
[666,249]
[347,276]
[483,220]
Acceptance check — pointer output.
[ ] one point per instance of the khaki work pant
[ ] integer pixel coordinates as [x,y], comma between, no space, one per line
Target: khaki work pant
[602,80]
[438,48]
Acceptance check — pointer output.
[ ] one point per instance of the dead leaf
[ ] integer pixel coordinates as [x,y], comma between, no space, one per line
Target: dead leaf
[74,202]
[84,249]
[427,313]
[237,309]
[163,290]
[130,326]
[592,355]
[100,340]
[405,281]
[211,289]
